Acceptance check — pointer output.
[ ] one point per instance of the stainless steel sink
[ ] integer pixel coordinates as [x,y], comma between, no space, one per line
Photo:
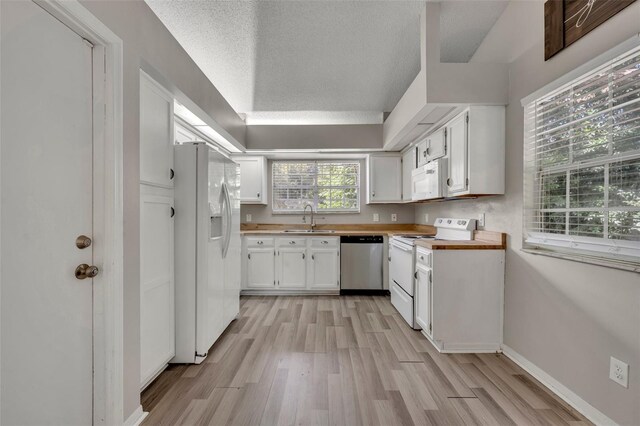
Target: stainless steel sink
[309,231]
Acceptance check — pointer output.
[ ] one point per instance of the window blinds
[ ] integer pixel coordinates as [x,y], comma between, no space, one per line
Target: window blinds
[582,163]
[329,186]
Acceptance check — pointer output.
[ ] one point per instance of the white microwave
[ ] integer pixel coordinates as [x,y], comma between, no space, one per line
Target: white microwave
[427,182]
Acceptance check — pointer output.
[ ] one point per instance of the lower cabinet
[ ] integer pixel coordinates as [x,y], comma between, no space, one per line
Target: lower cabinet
[460,308]
[291,264]
[422,295]
[260,268]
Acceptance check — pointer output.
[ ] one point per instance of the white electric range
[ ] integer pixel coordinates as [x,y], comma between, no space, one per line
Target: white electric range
[402,268]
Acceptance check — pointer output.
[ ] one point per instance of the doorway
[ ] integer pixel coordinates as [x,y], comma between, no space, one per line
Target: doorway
[61,217]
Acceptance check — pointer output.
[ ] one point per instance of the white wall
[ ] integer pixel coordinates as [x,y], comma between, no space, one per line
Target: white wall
[263,214]
[148,45]
[362,136]
[566,317]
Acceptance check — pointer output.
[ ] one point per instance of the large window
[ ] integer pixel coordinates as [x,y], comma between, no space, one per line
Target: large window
[329,186]
[582,164]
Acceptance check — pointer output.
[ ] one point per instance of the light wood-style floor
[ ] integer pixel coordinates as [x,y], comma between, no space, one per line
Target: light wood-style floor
[347,360]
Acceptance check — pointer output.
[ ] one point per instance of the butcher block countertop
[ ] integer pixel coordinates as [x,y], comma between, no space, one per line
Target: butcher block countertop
[483,240]
[337,229]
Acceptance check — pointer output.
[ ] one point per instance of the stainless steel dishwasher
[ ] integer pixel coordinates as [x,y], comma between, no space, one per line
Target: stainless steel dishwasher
[361,264]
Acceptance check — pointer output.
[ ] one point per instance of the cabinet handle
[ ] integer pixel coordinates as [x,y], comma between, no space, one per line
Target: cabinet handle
[292,242]
[448,181]
[421,257]
[324,242]
[425,152]
[260,243]
[415,275]
[313,257]
[389,258]
[171,174]
[373,193]
[173,212]
[249,256]
[258,195]
[303,256]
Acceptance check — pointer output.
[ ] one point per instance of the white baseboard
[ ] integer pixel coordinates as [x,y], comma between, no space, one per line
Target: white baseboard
[563,392]
[136,417]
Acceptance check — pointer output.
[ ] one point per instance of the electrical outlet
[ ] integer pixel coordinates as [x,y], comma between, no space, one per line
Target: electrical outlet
[481,219]
[376,217]
[248,218]
[426,218]
[394,217]
[619,372]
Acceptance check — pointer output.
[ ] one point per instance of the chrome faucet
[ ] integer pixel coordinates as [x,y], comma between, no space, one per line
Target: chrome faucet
[304,216]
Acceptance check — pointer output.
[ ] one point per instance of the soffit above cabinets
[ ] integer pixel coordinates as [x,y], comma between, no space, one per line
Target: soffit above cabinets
[441,88]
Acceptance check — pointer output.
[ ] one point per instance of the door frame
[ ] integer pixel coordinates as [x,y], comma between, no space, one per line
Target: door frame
[108,213]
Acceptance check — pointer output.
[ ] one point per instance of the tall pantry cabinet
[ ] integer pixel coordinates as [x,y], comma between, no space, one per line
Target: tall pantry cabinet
[157,313]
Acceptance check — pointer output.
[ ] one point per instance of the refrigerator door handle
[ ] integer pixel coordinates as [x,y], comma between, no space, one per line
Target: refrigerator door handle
[227,212]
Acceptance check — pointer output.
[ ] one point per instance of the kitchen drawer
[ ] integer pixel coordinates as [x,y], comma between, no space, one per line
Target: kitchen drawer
[291,242]
[259,242]
[325,242]
[423,257]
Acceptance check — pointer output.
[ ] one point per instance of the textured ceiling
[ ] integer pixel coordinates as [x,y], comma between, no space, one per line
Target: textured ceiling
[353,58]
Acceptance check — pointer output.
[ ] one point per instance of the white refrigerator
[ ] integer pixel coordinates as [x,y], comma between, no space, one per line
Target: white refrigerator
[207,242]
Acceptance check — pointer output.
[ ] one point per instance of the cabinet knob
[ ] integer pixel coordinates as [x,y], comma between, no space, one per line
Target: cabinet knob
[258,195]
[373,193]
[260,243]
[292,242]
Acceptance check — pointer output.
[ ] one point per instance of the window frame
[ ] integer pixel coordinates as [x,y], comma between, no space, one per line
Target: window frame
[357,187]
[618,253]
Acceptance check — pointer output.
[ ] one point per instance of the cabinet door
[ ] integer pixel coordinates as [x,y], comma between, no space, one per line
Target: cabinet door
[156,134]
[260,268]
[157,309]
[385,178]
[423,298]
[437,145]
[292,268]
[457,135]
[408,165]
[324,269]
[421,152]
[253,180]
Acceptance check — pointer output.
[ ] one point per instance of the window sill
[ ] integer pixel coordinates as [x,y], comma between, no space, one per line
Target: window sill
[582,258]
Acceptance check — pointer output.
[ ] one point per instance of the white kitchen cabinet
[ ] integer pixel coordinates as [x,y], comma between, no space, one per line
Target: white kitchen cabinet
[253,175]
[260,268]
[476,152]
[408,165]
[325,272]
[157,313]
[422,297]
[156,134]
[436,144]
[421,151]
[457,170]
[291,264]
[384,177]
[460,309]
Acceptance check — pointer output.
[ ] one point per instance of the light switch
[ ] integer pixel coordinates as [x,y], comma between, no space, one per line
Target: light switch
[394,217]
[376,217]
[248,218]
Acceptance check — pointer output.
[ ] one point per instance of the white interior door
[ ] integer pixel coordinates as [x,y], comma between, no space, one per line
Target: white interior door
[47,178]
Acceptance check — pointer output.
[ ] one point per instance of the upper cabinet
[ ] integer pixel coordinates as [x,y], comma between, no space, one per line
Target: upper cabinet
[156,134]
[476,152]
[253,177]
[408,165]
[384,178]
[436,146]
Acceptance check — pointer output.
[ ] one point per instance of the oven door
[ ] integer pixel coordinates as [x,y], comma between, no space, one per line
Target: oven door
[401,266]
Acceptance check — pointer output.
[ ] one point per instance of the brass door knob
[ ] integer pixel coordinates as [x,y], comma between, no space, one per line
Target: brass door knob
[85,271]
[82,242]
